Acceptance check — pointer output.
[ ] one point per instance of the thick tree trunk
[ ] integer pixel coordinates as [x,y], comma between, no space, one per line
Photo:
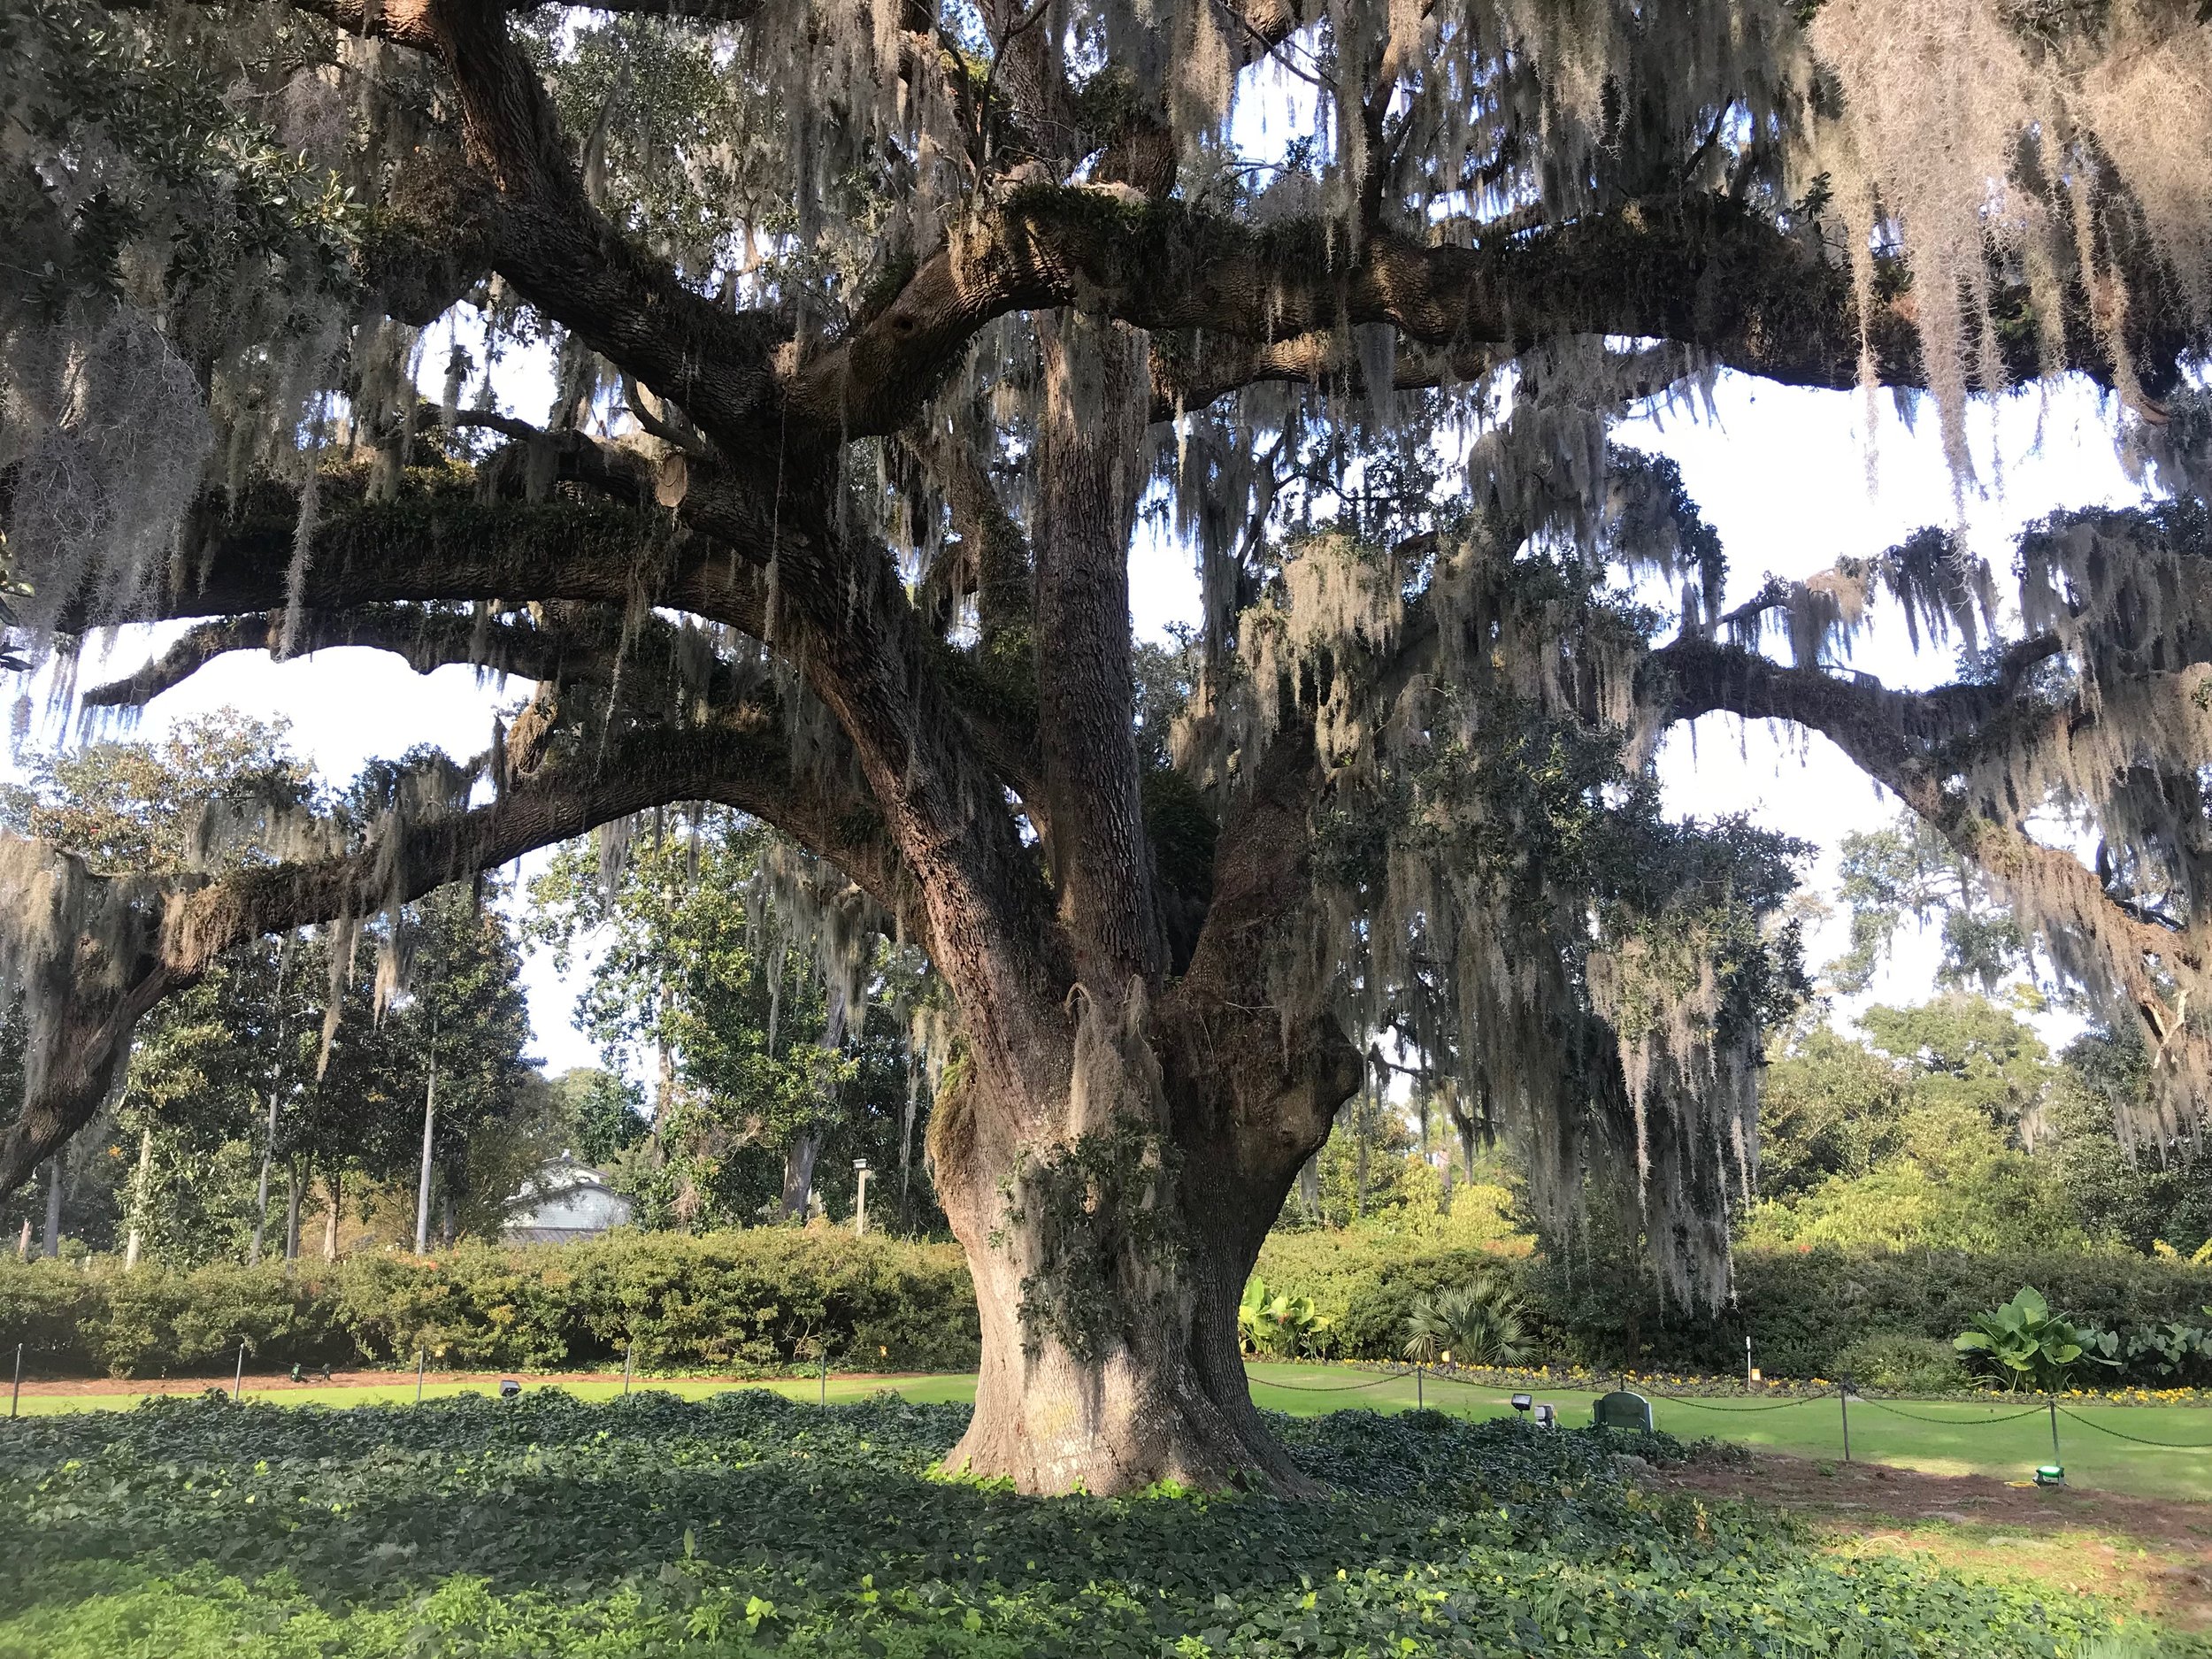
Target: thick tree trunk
[73,1069]
[1111,1354]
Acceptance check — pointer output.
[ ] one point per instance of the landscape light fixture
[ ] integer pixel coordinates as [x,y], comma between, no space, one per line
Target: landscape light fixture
[1521,1402]
[2050,1475]
[1547,1416]
[509,1389]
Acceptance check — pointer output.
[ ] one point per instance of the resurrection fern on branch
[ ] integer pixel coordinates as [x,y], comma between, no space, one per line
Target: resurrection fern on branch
[874,333]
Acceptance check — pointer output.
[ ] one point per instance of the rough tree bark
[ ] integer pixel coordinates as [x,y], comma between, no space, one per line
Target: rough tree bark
[1112,1194]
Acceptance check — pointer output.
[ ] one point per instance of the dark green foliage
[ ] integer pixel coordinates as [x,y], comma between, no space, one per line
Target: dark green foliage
[604,1110]
[760,1300]
[1805,1309]
[1367,1288]
[748,1525]
[2154,1190]
[2026,1343]
[1896,1363]
[1808,1311]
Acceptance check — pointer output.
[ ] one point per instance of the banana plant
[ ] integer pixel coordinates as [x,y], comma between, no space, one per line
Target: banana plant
[2029,1346]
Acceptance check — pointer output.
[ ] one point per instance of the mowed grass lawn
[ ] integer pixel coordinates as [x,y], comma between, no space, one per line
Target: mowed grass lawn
[2005,1439]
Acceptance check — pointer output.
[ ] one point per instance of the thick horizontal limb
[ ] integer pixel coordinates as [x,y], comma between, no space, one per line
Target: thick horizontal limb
[740,762]
[452,547]
[1917,743]
[1703,271]
[565,645]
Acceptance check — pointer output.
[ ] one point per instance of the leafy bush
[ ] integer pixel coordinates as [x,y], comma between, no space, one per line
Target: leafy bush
[1477,1323]
[758,1299]
[2023,1342]
[748,1525]
[1892,1362]
[1277,1323]
[1366,1284]
[1803,1308]
[2176,1353]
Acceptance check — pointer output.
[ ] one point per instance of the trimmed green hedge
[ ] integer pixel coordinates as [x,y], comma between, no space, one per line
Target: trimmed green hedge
[1803,1310]
[757,1299]
[769,1298]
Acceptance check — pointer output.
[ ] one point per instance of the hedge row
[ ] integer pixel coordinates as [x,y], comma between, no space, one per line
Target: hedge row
[1802,1308]
[757,1299]
[770,1298]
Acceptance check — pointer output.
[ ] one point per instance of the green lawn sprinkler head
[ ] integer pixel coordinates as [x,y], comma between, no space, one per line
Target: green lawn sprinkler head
[2050,1475]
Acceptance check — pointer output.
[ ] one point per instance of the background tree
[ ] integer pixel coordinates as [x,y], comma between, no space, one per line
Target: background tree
[606,1112]
[1952,1127]
[1911,871]
[873,330]
[770,1047]
[178,1161]
[2141,1191]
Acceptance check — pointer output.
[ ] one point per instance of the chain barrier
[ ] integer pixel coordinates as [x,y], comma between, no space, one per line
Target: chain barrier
[1336,1388]
[1949,1422]
[2121,1434]
[1770,1405]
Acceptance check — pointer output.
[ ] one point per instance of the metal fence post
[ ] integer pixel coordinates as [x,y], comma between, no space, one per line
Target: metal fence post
[419,1356]
[238,1383]
[629,1352]
[826,1373]
[2054,1405]
[17,1393]
[1416,1385]
[1843,1402]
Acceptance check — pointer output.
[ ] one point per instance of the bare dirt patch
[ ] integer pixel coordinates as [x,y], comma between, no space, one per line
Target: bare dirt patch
[2154,1554]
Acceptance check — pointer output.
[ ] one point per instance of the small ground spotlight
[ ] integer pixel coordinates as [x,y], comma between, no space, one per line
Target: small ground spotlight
[2050,1475]
[509,1389]
[1547,1416]
[1521,1402]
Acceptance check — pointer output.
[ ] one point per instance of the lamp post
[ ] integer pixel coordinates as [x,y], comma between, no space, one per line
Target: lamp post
[860,1207]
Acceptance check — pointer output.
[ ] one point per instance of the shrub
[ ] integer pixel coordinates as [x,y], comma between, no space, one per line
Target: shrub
[1896,1362]
[2022,1341]
[757,1299]
[1278,1324]
[1365,1286]
[1803,1309]
[1478,1323]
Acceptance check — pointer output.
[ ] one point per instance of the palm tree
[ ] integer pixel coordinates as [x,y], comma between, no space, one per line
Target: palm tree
[1481,1322]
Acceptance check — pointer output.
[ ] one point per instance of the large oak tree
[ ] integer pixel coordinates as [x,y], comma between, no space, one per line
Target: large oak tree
[876,330]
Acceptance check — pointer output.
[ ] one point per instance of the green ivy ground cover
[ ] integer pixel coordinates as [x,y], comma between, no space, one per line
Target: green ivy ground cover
[2148,1451]
[746,1523]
